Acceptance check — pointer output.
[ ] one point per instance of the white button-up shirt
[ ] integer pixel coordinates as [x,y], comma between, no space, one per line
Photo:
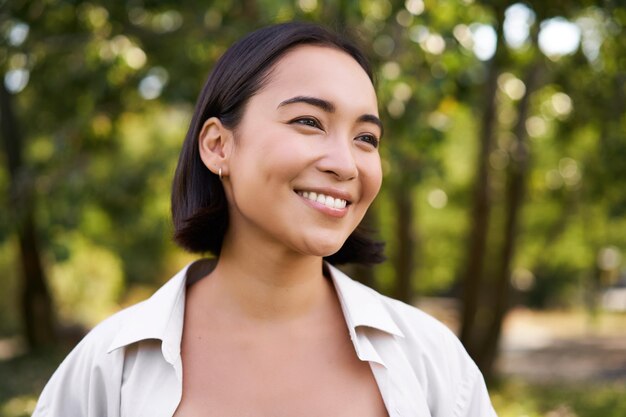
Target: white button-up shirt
[130,364]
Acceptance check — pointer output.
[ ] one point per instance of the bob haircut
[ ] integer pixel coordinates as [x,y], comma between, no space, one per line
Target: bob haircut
[199,205]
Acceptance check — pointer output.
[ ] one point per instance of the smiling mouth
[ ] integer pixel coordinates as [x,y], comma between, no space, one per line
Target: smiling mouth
[328,201]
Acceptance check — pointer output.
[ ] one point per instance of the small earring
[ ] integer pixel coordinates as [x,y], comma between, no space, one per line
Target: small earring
[219,173]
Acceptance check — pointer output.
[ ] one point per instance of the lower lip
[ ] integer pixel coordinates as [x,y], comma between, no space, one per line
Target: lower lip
[333,212]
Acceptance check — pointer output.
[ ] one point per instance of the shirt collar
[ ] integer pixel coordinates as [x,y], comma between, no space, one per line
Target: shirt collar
[362,306]
[161,316]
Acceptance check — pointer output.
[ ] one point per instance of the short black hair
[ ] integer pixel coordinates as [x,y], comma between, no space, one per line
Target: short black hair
[199,205]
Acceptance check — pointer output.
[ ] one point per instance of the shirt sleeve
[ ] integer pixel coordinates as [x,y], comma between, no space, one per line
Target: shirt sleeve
[84,384]
[473,398]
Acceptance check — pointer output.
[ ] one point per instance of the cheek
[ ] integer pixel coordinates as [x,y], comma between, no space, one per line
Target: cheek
[268,160]
[276,165]
[371,178]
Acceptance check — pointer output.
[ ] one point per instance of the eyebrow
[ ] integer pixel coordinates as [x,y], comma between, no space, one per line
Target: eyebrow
[325,105]
[370,118]
[329,107]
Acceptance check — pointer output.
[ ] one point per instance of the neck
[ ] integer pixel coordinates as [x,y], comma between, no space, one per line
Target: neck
[266,284]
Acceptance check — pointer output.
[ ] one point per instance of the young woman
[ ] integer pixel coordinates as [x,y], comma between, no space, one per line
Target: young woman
[277,171]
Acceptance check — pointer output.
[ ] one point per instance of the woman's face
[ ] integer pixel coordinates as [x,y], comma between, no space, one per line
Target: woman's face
[305,166]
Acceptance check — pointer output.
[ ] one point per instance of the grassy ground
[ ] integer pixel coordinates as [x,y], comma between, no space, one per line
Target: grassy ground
[23,378]
[515,398]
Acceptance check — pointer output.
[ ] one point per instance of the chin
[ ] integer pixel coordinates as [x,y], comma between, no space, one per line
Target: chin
[323,249]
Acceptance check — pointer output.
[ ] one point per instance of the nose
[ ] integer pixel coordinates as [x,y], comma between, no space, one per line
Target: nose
[339,159]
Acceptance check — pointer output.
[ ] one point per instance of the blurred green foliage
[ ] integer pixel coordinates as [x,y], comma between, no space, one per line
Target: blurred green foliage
[109,89]
[104,90]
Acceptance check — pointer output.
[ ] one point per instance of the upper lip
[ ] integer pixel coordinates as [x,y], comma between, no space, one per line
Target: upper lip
[332,192]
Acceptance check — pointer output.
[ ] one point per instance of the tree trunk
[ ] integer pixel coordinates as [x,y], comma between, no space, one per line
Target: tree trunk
[250,10]
[515,191]
[36,303]
[404,254]
[472,276]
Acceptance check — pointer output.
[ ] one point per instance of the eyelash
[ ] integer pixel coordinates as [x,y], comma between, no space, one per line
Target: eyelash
[308,121]
[371,139]
[314,123]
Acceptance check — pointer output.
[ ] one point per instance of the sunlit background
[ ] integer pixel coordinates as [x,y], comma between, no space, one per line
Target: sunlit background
[503,205]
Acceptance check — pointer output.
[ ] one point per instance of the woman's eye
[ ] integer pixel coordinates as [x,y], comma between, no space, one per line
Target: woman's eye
[308,121]
[371,139]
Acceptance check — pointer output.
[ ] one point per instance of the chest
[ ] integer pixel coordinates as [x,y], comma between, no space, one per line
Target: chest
[276,375]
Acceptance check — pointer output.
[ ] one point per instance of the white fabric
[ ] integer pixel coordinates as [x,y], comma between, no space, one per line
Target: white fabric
[130,364]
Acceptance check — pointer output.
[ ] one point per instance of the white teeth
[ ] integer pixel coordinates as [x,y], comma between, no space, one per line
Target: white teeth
[328,201]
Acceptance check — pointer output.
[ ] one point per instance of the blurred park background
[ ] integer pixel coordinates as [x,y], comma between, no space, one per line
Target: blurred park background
[503,205]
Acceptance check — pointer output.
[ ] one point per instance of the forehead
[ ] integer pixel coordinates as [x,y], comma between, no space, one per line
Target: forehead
[323,72]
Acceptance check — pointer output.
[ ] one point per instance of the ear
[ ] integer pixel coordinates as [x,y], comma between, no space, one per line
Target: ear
[215,143]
